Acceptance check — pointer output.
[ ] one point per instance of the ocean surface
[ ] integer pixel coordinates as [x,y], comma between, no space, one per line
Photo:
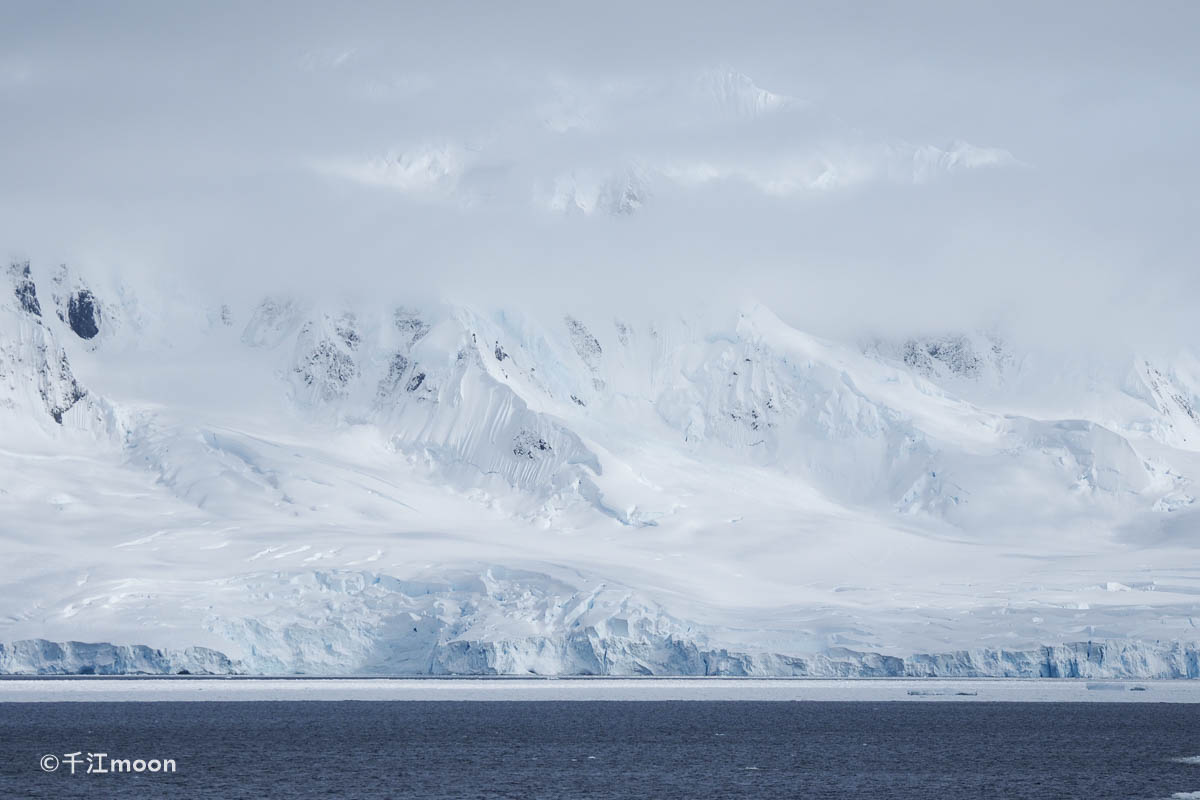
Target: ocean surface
[606,749]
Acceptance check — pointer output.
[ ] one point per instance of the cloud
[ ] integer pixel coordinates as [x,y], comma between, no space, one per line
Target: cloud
[929,162]
[739,95]
[420,170]
[588,191]
[602,146]
[837,167]
[326,58]
[395,88]
[920,166]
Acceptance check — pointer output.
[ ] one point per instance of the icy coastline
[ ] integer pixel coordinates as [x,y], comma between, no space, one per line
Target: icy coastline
[579,655]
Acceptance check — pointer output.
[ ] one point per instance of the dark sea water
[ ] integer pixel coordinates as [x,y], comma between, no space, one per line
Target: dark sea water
[607,749]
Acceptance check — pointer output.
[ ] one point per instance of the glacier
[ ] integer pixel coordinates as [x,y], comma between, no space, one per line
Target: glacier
[208,484]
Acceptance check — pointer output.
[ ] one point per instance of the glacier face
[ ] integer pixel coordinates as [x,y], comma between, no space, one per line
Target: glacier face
[287,484]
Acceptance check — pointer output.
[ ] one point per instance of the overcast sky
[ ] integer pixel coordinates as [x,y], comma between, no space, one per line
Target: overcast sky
[892,166]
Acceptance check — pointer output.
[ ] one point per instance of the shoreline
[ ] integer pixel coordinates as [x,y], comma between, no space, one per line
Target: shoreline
[186,688]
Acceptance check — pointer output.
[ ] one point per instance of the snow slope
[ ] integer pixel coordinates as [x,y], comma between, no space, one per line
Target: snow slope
[278,485]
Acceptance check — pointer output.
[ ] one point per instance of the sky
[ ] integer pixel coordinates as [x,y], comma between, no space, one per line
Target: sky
[892,167]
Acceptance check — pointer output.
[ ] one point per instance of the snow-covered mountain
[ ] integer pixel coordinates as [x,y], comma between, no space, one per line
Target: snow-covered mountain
[280,484]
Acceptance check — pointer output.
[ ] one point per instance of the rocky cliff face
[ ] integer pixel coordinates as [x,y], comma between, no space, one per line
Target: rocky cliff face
[35,371]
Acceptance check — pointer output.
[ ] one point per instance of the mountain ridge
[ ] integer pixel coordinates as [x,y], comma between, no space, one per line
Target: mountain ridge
[892,495]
